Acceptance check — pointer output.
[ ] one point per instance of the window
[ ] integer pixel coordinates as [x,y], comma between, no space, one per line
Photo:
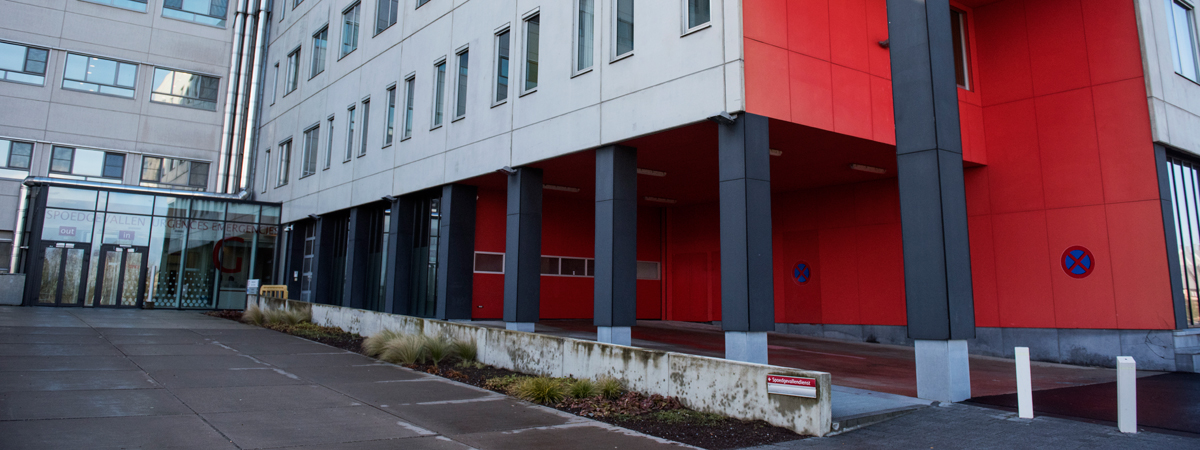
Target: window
[958,30]
[185,89]
[296,3]
[275,84]
[585,30]
[134,5]
[647,270]
[1182,29]
[292,79]
[23,64]
[501,67]
[698,13]
[489,262]
[366,120]
[409,88]
[103,76]
[349,133]
[208,12]
[320,41]
[266,170]
[350,29]
[329,144]
[385,14]
[285,162]
[389,131]
[460,93]
[532,26]
[87,164]
[175,173]
[623,25]
[439,92]
[14,158]
[421,3]
[308,159]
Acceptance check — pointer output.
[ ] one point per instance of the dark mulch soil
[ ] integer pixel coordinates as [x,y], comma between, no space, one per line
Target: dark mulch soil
[654,415]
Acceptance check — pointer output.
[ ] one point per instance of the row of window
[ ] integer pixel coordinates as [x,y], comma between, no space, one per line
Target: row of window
[26,64]
[486,262]
[207,12]
[1181,26]
[99,165]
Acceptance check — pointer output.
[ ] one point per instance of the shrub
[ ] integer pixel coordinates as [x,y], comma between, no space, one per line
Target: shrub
[253,316]
[403,350]
[609,387]
[501,383]
[373,346]
[544,390]
[582,388]
[466,351]
[437,348]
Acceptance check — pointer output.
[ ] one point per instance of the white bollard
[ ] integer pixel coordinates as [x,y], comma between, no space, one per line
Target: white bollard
[1126,394]
[1024,384]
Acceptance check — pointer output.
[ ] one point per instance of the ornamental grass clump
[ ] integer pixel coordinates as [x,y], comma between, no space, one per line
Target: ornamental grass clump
[373,346]
[466,351]
[582,388]
[253,316]
[543,390]
[406,350]
[437,348]
[610,388]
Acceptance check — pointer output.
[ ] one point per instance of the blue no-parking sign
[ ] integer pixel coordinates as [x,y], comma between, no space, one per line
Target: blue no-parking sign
[801,273]
[1078,262]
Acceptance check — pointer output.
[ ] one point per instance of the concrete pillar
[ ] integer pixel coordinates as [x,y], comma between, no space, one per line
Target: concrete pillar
[397,285]
[747,292]
[933,209]
[616,244]
[456,252]
[523,249]
[357,258]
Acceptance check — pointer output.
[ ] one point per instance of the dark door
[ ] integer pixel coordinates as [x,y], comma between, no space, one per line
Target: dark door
[63,269]
[122,280]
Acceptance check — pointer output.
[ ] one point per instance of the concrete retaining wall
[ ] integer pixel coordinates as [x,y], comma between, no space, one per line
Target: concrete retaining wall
[705,384]
[12,288]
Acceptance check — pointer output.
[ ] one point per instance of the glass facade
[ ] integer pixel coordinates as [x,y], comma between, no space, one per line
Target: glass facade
[182,252]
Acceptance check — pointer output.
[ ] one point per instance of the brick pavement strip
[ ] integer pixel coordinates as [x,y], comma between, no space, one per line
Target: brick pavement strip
[172,379]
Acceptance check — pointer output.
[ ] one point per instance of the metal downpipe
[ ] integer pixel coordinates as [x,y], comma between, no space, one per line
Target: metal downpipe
[256,93]
[19,230]
[231,89]
[242,94]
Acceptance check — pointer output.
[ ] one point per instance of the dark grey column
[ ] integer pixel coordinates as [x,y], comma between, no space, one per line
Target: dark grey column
[357,258]
[523,249]
[294,267]
[616,244]
[747,292]
[323,287]
[456,252]
[397,287]
[1169,222]
[933,208]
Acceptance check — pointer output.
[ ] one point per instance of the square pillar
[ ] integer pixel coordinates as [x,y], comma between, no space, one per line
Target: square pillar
[397,285]
[747,290]
[616,244]
[357,258]
[456,252]
[523,249]
[933,210]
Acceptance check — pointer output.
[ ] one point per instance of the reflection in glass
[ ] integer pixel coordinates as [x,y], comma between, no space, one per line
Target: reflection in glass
[50,268]
[129,285]
[112,273]
[71,198]
[72,273]
[196,284]
[119,202]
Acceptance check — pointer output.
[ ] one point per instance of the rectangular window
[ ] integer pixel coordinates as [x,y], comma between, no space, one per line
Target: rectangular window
[275,84]
[350,113]
[623,27]
[266,170]
[329,144]
[501,67]
[285,162]
[87,164]
[15,154]
[409,88]
[207,12]
[292,78]
[460,92]
[385,14]
[1182,30]
[962,62]
[489,262]
[532,38]
[439,92]
[296,3]
[366,121]
[389,131]
[585,30]
[698,13]
[421,3]
[647,270]
[320,41]
[103,76]
[184,89]
[23,64]
[1184,175]
[350,29]
[132,5]
[308,159]
[549,266]
[174,173]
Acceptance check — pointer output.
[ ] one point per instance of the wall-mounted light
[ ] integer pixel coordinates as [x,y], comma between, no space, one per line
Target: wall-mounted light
[507,170]
[660,200]
[551,187]
[868,169]
[723,118]
[389,198]
[651,172]
[776,152]
[886,43]
[314,217]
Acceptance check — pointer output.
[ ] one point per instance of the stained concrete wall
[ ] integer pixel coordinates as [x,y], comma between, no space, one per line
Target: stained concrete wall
[12,288]
[731,388]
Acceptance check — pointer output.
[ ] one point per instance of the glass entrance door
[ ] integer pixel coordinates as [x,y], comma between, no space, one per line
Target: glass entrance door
[122,277]
[63,269]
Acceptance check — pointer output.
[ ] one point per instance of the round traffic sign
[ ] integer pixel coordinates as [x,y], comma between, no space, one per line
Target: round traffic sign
[801,273]
[1078,262]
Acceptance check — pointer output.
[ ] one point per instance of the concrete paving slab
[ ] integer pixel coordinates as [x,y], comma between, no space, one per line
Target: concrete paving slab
[573,436]
[73,339]
[848,401]
[154,432]
[31,405]
[404,392]
[193,378]
[82,329]
[175,349]
[264,429]
[29,363]
[317,360]
[57,350]
[487,414]
[75,380]
[191,362]
[356,374]
[193,339]
[262,398]
[418,443]
[239,330]
[132,331]
[270,348]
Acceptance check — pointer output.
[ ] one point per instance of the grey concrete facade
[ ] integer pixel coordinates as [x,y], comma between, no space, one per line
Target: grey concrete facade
[1174,100]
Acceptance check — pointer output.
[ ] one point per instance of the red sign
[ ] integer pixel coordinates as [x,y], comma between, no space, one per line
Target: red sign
[793,386]
[1078,262]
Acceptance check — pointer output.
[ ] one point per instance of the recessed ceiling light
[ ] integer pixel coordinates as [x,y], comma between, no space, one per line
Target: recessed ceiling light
[551,187]
[868,169]
[660,200]
[651,172]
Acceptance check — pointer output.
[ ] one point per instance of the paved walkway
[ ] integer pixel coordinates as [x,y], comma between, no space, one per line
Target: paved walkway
[96,379]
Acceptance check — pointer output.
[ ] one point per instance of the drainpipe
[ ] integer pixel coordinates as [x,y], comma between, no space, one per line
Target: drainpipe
[256,92]
[231,90]
[243,94]
[19,234]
